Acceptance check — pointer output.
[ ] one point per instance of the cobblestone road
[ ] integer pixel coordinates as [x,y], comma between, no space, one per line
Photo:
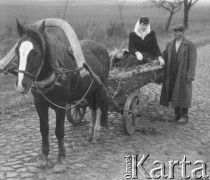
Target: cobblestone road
[165,141]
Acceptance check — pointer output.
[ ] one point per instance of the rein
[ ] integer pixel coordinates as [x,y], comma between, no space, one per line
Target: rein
[75,70]
[26,73]
[65,108]
[36,85]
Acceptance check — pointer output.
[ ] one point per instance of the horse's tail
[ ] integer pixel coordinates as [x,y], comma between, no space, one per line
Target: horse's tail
[105,100]
[104,109]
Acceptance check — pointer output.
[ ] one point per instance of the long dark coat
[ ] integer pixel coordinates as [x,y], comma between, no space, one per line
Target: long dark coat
[148,45]
[182,93]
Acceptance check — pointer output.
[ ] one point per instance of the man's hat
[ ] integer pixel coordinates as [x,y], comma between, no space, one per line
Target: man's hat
[179,27]
[144,20]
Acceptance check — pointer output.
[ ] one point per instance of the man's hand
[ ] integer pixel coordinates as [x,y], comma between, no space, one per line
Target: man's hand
[161,60]
[139,56]
[189,80]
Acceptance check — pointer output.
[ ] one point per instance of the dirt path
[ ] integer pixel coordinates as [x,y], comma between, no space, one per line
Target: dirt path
[165,141]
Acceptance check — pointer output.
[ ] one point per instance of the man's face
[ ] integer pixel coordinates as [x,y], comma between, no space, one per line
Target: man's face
[143,26]
[178,34]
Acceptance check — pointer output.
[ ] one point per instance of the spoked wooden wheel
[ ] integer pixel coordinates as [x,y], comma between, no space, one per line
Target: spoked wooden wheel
[131,113]
[76,114]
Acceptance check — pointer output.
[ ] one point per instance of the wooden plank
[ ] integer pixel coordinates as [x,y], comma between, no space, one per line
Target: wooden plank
[97,79]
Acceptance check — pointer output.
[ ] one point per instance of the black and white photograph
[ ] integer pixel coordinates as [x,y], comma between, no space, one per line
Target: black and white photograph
[104,89]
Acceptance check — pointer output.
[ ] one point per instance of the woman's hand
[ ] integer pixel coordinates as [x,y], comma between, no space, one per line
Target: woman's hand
[161,60]
[189,80]
[139,56]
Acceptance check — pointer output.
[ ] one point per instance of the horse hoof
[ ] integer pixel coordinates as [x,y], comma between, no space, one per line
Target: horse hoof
[41,164]
[90,138]
[95,137]
[90,134]
[59,168]
[94,141]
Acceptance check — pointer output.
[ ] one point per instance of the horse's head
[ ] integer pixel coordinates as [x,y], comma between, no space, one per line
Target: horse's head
[30,52]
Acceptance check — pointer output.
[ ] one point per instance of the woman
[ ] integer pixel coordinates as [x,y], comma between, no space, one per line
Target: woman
[143,43]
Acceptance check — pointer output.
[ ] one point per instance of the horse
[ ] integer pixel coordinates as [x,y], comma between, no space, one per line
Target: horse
[39,54]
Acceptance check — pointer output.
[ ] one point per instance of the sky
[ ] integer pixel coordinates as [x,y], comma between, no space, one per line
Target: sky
[89,1]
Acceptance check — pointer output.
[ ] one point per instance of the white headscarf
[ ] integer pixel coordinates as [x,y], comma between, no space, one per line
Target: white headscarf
[141,33]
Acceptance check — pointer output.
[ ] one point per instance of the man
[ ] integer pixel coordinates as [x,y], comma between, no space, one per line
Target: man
[180,56]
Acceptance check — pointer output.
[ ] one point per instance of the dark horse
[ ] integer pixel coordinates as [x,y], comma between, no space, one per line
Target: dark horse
[36,51]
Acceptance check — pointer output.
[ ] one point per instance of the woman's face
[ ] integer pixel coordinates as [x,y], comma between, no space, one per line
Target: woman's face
[143,26]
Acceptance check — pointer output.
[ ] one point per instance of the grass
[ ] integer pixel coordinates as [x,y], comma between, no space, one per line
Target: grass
[99,23]
[10,99]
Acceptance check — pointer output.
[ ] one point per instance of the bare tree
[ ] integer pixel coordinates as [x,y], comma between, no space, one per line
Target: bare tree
[171,6]
[187,6]
[68,3]
[120,6]
[58,14]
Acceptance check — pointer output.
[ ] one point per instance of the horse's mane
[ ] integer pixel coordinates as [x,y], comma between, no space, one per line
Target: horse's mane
[53,48]
[36,35]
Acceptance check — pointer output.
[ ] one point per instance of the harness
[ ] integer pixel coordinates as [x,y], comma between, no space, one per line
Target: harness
[40,89]
[26,73]
[61,107]
[37,89]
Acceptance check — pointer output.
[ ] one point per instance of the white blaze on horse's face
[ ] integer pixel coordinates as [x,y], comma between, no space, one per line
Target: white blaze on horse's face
[24,50]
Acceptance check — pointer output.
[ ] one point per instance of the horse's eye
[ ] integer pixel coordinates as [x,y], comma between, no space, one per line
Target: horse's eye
[35,52]
[30,58]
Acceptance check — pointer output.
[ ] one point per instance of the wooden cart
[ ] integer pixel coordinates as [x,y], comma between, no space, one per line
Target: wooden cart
[122,90]
[123,93]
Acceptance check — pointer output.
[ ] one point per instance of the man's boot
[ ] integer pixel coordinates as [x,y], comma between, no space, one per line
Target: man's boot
[184,116]
[176,115]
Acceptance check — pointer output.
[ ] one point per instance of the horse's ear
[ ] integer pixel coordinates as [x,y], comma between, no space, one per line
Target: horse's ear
[20,28]
[42,27]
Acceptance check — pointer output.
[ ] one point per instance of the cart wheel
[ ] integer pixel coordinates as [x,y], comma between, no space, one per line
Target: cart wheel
[76,114]
[131,112]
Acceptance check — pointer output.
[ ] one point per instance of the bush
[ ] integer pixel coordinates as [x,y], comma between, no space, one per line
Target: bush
[7,32]
[90,31]
[110,36]
[115,29]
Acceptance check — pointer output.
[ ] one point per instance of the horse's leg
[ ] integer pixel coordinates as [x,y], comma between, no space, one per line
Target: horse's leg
[101,105]
[59,132]
[92,123]
[42,110]
[97,128]
[91,99]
